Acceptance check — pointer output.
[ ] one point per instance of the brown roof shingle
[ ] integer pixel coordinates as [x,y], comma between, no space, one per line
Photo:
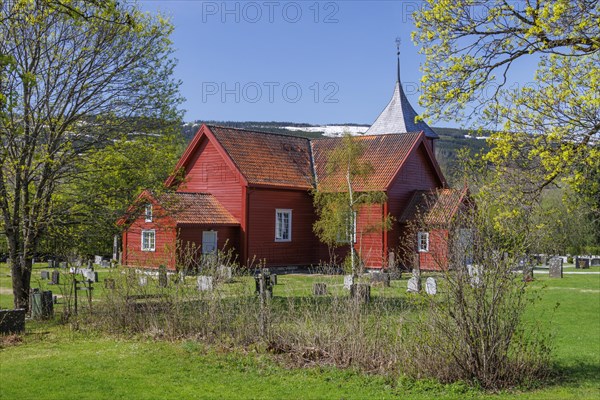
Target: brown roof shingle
[195,208]
[385,153]
[268,158]
[436,207]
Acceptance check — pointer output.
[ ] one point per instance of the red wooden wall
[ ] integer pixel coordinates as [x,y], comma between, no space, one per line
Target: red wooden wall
[436,259]
[165,242]
[304,246]
[417,174]
[208,172]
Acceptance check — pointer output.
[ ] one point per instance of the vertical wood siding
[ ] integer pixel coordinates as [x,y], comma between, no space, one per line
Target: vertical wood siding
[436,259]
[369,240]
[208,173]
[304,246]
[416,174]
[165,242]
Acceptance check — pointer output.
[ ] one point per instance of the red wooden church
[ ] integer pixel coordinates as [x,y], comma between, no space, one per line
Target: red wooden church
[251,191]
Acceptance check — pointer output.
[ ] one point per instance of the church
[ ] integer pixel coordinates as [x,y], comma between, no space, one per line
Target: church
[250,192]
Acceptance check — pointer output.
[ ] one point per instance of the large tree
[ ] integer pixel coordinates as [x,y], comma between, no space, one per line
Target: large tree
[547,125]
[74,74]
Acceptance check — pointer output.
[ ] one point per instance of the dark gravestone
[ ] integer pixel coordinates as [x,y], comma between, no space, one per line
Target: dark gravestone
[45,275]
[361,292]
[162,276]
[583,263]
[42,306]
[12,321]
[382,278]
[55,277]
[319,289]
[50,263]
[556,268]
[109,283]
[595,262]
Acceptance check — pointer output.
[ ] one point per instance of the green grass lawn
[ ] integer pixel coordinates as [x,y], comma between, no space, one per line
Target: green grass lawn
[53,362]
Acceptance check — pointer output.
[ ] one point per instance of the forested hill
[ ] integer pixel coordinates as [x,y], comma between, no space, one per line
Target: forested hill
[451,139]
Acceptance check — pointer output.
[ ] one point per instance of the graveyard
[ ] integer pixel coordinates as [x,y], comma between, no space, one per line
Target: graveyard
[80,359]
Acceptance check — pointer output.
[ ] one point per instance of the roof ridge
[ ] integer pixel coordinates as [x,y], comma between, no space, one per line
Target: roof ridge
[369,136]
[260,132]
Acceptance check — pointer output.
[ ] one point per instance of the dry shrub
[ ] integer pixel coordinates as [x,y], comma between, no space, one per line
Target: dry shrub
[474,329]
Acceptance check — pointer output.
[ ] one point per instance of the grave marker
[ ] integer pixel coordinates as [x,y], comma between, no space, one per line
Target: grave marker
[205,283]
[431,286]
[348,281]
[556,268]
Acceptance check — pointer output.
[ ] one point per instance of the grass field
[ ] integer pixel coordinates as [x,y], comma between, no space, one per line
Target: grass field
[54,362]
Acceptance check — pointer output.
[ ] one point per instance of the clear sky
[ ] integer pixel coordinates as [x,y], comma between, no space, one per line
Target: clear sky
[319,62]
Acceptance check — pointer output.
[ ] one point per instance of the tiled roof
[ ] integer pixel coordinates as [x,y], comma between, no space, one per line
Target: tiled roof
[399,117]
[195,208]
[385,153]
[436,207]
[268,158]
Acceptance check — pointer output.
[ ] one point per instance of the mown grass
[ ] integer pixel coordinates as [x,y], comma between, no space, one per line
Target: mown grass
[55,362]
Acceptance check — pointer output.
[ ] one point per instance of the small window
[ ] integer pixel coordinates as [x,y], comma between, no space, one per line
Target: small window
[423,241]
[148,240]
[148,213]
[283,225]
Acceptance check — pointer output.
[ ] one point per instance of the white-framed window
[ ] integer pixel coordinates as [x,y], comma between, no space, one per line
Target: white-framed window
[423,241]
[148,240]
[148,212]
[283,225]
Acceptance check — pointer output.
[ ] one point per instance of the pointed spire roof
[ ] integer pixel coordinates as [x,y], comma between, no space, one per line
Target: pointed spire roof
[399,116]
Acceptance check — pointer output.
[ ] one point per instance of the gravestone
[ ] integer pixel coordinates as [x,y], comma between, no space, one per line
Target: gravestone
[109,283]
[319,289]
[381,277]
[413,285]
[90,275]
[12,321]
[348,281]
[97,260]
[224,273]
[431,286]
[63,264]
[595,262]
[143,280]
[361,292]
[55,277]
[45,275]
[162,276]
[556,268]
[273,279]
[205,283]
[105,264]
[474,272]
[50,263]
[583,263]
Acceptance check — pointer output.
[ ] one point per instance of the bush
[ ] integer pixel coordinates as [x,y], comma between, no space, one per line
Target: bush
[473,330]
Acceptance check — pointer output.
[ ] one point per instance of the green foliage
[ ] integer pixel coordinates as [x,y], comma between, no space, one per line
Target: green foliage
[550,125]
[338,204]
[75,75]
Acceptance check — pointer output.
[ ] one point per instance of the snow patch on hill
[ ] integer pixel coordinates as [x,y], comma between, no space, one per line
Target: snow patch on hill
[330,130]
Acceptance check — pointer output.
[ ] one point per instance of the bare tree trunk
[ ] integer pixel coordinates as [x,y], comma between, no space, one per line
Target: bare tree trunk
[20,269]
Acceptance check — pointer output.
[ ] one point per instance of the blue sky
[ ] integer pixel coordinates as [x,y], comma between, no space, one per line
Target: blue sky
[319,62]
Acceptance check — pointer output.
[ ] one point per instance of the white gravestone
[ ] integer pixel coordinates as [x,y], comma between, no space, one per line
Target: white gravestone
[205,283]
[474,274]
[143,280]
[97,260]
[224,273]
[431,286]
[413,285]
[348,281]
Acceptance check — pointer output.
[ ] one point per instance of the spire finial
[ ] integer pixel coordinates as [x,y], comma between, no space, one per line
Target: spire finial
[398,41]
